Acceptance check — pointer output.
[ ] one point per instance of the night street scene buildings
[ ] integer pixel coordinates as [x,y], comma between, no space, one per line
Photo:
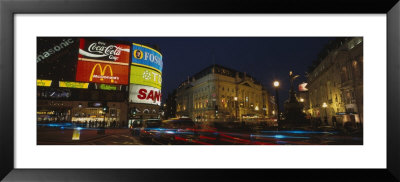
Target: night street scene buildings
[127,91]
[335,85]
[218,93]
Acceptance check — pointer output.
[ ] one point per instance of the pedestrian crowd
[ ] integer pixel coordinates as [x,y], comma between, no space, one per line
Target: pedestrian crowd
[96,124]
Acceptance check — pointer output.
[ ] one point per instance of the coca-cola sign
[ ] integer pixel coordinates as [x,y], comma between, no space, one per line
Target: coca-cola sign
[104,62]
[104,50]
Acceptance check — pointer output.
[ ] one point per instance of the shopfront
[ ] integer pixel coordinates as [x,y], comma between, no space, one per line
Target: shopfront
[53,111]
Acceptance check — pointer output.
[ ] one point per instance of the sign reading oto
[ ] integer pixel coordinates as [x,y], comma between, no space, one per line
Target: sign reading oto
[103,62]
[145,76]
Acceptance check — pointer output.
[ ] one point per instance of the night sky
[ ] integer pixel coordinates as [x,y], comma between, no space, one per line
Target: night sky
[265,58]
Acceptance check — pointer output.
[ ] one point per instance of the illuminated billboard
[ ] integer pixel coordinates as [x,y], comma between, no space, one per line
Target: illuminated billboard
[66,84]
[145,76]
[146,56]
[107,87]
[144,94]
[103,62]
[43,83]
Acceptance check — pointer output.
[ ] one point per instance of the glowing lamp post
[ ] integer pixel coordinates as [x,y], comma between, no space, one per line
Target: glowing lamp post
[236,106]
[104,112]
[276,85]
[324,105]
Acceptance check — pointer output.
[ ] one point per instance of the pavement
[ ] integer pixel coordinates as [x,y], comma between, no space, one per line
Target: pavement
[87,136]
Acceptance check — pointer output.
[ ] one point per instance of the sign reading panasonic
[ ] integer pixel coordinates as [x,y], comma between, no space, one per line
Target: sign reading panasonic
[144,94]
[53,50]
[143,55]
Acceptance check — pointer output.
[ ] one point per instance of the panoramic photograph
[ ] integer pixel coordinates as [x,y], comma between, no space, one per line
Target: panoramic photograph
[199,91]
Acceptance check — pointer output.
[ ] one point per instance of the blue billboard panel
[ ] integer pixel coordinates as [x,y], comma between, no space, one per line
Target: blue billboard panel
[146,56]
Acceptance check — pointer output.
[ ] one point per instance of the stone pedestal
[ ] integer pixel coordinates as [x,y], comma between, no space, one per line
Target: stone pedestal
[293,115]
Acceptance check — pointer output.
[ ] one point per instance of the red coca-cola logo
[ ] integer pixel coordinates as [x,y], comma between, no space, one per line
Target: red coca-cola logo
[111,50]
[101,50]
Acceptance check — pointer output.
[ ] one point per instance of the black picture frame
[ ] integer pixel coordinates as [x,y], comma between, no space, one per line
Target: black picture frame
[9,8]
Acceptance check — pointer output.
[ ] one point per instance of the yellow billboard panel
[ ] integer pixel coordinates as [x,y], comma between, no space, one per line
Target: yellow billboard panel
[43,83]
[145,76]
[73,84]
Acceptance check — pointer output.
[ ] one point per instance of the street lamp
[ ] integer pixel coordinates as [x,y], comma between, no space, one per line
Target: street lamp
[276,85]
[105,108]
[236,106]
[324,105]
[301,100]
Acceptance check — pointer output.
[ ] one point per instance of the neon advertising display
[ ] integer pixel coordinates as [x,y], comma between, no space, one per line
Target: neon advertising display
[44,83]
[103,62]
[108,87]
[145,76]
[144,94]
[66,84]
[146,56]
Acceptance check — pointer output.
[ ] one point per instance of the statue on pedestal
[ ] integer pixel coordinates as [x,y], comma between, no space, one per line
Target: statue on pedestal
[294,116]
[292,93]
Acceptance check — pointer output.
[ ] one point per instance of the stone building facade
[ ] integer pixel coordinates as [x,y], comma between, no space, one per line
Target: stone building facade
[218,93]
[335,86]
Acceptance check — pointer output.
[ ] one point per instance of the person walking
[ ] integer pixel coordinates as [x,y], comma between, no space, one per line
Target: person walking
[313,124]
[319,122]
[334,122]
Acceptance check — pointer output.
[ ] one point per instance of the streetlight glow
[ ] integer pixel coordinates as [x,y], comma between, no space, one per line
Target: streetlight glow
[236,106]
[324,105]
[276,84]
[301,100]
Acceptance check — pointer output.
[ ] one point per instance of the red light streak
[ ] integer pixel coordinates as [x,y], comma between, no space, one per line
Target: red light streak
[206,137]
[180,138]
[199,142]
